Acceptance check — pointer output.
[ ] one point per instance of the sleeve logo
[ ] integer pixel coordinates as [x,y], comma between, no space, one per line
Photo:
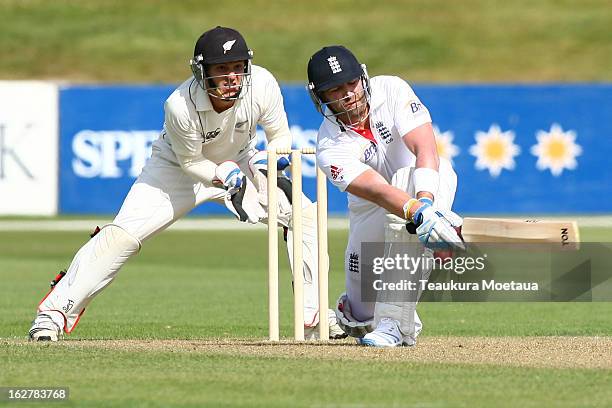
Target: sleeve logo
[415,106]
[336,172]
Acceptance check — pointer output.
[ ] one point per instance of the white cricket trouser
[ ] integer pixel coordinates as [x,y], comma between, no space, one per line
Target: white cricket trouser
[367,224]
[162,194]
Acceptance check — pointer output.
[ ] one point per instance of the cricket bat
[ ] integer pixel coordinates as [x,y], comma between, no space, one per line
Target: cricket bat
[564,233]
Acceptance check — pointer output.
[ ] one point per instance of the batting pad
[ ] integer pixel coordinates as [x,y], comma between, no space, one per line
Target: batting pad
[94,266]
[397,241]
[311,263]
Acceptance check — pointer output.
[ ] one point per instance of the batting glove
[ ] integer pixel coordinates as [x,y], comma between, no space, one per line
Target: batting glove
[434,229]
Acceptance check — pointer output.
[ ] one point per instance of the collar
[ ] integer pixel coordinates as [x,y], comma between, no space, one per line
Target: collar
[376,99]
[202,100]
[366,133]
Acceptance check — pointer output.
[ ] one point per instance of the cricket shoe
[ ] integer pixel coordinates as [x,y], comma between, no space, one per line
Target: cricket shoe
[386,334]
[335,331]
[45,329]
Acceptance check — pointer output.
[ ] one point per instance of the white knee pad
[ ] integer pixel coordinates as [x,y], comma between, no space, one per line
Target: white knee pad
[349,324]
[94,266]
[398,241]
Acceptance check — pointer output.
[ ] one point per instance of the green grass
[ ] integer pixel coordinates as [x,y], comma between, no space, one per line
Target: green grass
[191,285]
[421,40]
[163,379]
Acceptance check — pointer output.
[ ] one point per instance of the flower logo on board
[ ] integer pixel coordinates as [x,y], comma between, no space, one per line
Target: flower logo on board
[495,150]
[445,145]
[556,150]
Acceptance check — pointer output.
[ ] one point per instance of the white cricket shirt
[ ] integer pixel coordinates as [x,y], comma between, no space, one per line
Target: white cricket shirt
[192,128]
[344,154]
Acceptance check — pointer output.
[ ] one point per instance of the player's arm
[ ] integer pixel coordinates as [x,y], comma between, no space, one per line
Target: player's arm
[273,118]
[371,186]
[432,228]
[186,142]
[199,168]
[413,121]
[241,197]
[348,173]
[421,141]
[194,164]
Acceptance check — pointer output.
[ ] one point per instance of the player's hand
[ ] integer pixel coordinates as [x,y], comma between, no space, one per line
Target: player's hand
[435,229]
[283,162]
[241,197]
[259,162]
[230,176]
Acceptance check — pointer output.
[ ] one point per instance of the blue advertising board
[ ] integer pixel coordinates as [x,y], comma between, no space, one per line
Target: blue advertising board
[523,149]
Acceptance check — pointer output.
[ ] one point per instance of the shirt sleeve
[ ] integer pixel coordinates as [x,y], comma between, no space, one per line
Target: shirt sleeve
[199,169]
[184,138]
[273,118]
[340,166]
[409,112]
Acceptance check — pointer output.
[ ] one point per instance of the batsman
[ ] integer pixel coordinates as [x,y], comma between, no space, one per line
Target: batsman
[205,152]
[376,142]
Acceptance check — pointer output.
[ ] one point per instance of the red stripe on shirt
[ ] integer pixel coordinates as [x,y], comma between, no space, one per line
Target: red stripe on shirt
[367,133]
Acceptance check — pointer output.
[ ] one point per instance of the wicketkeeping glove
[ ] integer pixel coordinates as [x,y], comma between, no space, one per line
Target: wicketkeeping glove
[259,162]
[230,176]
[241,198]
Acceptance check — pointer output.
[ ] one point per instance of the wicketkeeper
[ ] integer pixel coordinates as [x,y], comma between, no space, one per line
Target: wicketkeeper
[376,142]
[206,151]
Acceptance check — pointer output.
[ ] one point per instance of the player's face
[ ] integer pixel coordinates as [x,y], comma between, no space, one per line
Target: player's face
[227,78]
[348,101]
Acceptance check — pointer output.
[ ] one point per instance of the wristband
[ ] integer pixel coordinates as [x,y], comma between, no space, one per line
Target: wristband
[417,217]
[426,200]
[426,179]
[407,207]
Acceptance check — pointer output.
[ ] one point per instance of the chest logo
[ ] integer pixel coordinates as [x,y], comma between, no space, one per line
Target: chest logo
[384,132]
[209,136]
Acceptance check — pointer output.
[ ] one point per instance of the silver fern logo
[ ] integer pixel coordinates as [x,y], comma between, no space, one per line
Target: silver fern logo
[228,46]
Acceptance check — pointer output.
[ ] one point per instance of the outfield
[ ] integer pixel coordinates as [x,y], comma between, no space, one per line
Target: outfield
[185,325]
[419,40]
